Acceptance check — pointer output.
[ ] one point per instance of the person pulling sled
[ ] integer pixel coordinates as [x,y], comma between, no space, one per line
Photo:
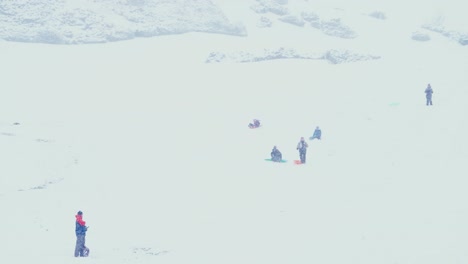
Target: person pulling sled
[80,230]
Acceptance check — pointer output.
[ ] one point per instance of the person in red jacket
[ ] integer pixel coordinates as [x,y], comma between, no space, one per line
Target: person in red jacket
[80,230]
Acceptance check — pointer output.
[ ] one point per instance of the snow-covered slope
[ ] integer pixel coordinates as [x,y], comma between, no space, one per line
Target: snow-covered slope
[270,29]
[151,143]
[337,31]
[91,21]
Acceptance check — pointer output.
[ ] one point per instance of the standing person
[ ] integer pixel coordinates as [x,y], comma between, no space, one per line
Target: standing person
[429,93]
[302,147]
[80,230]
[317,134]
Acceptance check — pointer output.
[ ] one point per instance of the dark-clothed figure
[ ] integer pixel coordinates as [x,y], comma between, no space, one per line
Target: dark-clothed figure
[317,134]
[302,147]
[276,155]
[429,93]
[80,230]
[255,123]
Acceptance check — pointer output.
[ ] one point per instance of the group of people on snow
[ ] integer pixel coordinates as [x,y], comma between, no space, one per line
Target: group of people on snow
[302,146]
[80,225]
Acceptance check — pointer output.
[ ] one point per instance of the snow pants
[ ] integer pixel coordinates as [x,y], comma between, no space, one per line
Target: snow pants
[80,246]
[276,158]
[302,155]
[429,100]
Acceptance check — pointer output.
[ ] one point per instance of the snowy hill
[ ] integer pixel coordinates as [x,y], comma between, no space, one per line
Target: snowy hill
[90,21]
[354,32]
[148,137]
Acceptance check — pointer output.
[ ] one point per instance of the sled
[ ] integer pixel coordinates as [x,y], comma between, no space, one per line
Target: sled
[282,161]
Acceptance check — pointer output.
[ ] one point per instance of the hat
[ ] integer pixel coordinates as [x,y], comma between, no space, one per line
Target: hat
[80,213]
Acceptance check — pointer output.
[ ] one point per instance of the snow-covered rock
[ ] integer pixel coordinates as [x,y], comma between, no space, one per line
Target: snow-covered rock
[329,26]
[264,22]
[332,56]
[310,16]
[92,21]
[344,56]
[294,20]
[334,27]
[270,6]
[460,37]
[419,36]
[378,15]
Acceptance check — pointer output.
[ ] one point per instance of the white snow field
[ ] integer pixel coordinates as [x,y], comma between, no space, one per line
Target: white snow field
[148,136]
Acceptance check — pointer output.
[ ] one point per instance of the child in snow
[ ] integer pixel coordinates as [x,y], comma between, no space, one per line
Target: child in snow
[276,155]
[429,93]
[317,134]
[255,123]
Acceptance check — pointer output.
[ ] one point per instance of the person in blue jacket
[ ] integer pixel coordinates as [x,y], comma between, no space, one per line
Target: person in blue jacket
[302,147]
[429,93]
[317,134]
[276,155]
[80,230]
[254,124]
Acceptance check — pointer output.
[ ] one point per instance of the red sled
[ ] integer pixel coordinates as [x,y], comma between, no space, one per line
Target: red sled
[298,162]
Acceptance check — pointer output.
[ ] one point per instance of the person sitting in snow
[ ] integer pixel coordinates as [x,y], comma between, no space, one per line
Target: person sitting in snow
[276,155]
[317,134]
[255,123]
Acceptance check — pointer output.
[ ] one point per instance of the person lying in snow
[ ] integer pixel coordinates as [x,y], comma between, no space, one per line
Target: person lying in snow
[255,123]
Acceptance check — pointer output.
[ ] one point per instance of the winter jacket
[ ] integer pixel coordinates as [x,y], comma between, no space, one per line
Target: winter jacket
[317,133]
[276,155]
[81,227]
[429,92]
[302,146]
[256,122]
